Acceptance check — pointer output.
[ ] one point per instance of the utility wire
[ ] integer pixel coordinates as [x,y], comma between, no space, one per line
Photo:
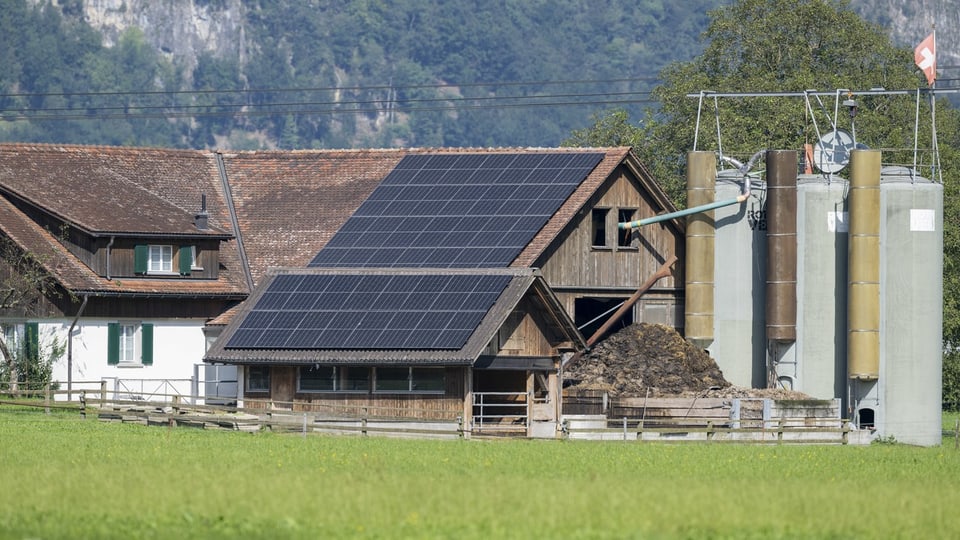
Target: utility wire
[330,88]
[449,108]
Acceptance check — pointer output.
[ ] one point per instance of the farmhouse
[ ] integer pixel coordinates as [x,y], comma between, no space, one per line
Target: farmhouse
[138,254]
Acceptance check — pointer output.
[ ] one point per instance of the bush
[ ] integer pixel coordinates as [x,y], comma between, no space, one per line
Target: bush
[951,380]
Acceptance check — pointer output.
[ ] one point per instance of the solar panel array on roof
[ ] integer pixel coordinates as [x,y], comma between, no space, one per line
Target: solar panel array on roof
[456,211]
[368,311]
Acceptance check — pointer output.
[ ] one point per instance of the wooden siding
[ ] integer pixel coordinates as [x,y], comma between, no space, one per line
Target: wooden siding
[524,333]
[574,262]
[121,257]
[283,383]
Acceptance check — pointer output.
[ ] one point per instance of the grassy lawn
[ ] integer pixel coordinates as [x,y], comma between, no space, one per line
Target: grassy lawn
[63,477]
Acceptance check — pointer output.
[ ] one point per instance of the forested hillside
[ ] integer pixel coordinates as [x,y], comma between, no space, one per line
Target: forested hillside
[340,73]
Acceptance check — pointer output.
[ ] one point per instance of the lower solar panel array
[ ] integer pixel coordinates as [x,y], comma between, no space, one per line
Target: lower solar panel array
[369,311]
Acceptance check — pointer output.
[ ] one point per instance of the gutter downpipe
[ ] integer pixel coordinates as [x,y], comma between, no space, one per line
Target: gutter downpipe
[70,342]
[109,252]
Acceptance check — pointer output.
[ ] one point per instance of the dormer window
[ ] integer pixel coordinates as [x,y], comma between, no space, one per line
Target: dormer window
[160,260]
[165,260]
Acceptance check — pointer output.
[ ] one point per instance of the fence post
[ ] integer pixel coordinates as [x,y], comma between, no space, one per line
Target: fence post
[956,435]
[304,425]
[103,393]
[46,398]
[710,430]
[83,404]
[176,404]
[780,430]
[363,422]
[624,428]
[640,429]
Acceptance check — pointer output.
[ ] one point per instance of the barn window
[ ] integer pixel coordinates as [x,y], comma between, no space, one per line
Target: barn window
[333,379]
[316,379]
[626,237]
[598,229]
[129,344]
[258,378]
[421,380]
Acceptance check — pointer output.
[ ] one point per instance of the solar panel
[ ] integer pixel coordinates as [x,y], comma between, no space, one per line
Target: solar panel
[369,311]
[458,196]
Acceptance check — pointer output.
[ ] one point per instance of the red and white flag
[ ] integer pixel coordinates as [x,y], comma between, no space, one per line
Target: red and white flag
[925,55]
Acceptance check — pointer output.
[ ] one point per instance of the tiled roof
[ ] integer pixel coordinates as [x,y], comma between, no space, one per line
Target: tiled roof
[122,191]
[78,277]
[110,190]
[289,204]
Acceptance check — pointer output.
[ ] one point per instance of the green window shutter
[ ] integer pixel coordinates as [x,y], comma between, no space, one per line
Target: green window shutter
[146,344]
[32,341]
[113,343]
[140,254]
[186,260]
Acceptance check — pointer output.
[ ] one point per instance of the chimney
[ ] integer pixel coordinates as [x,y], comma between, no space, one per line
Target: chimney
[201,219]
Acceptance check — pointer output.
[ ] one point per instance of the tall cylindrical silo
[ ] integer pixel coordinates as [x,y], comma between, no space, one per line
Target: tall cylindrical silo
[911,288]
[822,226]
[739,276]
[863,289]
[698,304]
[780,309]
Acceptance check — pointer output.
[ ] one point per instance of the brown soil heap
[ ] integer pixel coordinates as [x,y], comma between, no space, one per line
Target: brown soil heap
[644,357]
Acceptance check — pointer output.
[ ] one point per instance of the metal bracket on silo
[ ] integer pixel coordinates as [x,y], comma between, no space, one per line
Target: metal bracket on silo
[698,304]
[863,289]
[781,290]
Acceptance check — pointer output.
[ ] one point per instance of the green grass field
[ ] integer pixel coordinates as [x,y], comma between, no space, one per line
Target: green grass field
[62,477]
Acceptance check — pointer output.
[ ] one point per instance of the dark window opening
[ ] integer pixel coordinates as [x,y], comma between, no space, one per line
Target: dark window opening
[599,228]
[866,417]
[626,237]
[258,379]
[591,313]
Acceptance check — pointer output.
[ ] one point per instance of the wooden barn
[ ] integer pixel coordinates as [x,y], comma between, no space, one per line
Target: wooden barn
[368,322]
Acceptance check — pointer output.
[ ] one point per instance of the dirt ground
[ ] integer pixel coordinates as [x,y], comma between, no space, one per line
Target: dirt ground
[654,360]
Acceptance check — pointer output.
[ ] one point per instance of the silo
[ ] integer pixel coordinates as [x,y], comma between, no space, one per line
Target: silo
[698,301]
[822,227]
[911,289]
[739,277]
[780,306]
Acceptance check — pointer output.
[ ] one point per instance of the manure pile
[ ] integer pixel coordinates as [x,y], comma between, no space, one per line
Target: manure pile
[654,360]
[646,356]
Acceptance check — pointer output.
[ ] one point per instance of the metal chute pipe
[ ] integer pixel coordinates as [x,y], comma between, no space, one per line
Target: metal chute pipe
[681,213]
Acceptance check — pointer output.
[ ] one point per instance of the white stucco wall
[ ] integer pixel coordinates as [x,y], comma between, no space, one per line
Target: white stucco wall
[178,344]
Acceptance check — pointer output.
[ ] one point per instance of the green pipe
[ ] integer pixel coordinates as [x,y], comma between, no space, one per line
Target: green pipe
[681,213]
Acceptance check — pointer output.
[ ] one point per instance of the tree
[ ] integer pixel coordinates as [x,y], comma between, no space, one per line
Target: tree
[25,287]
[761,46]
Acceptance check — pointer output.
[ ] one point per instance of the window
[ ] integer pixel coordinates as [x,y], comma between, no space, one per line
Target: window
[599,227]
[626,237]
[258,378]
[129,344]
[23,341]
[410,379]
[160,259]
[333,379]
[152,259]
[194,259]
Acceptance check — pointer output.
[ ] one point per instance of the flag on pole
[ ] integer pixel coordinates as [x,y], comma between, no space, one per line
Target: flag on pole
[925,55]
